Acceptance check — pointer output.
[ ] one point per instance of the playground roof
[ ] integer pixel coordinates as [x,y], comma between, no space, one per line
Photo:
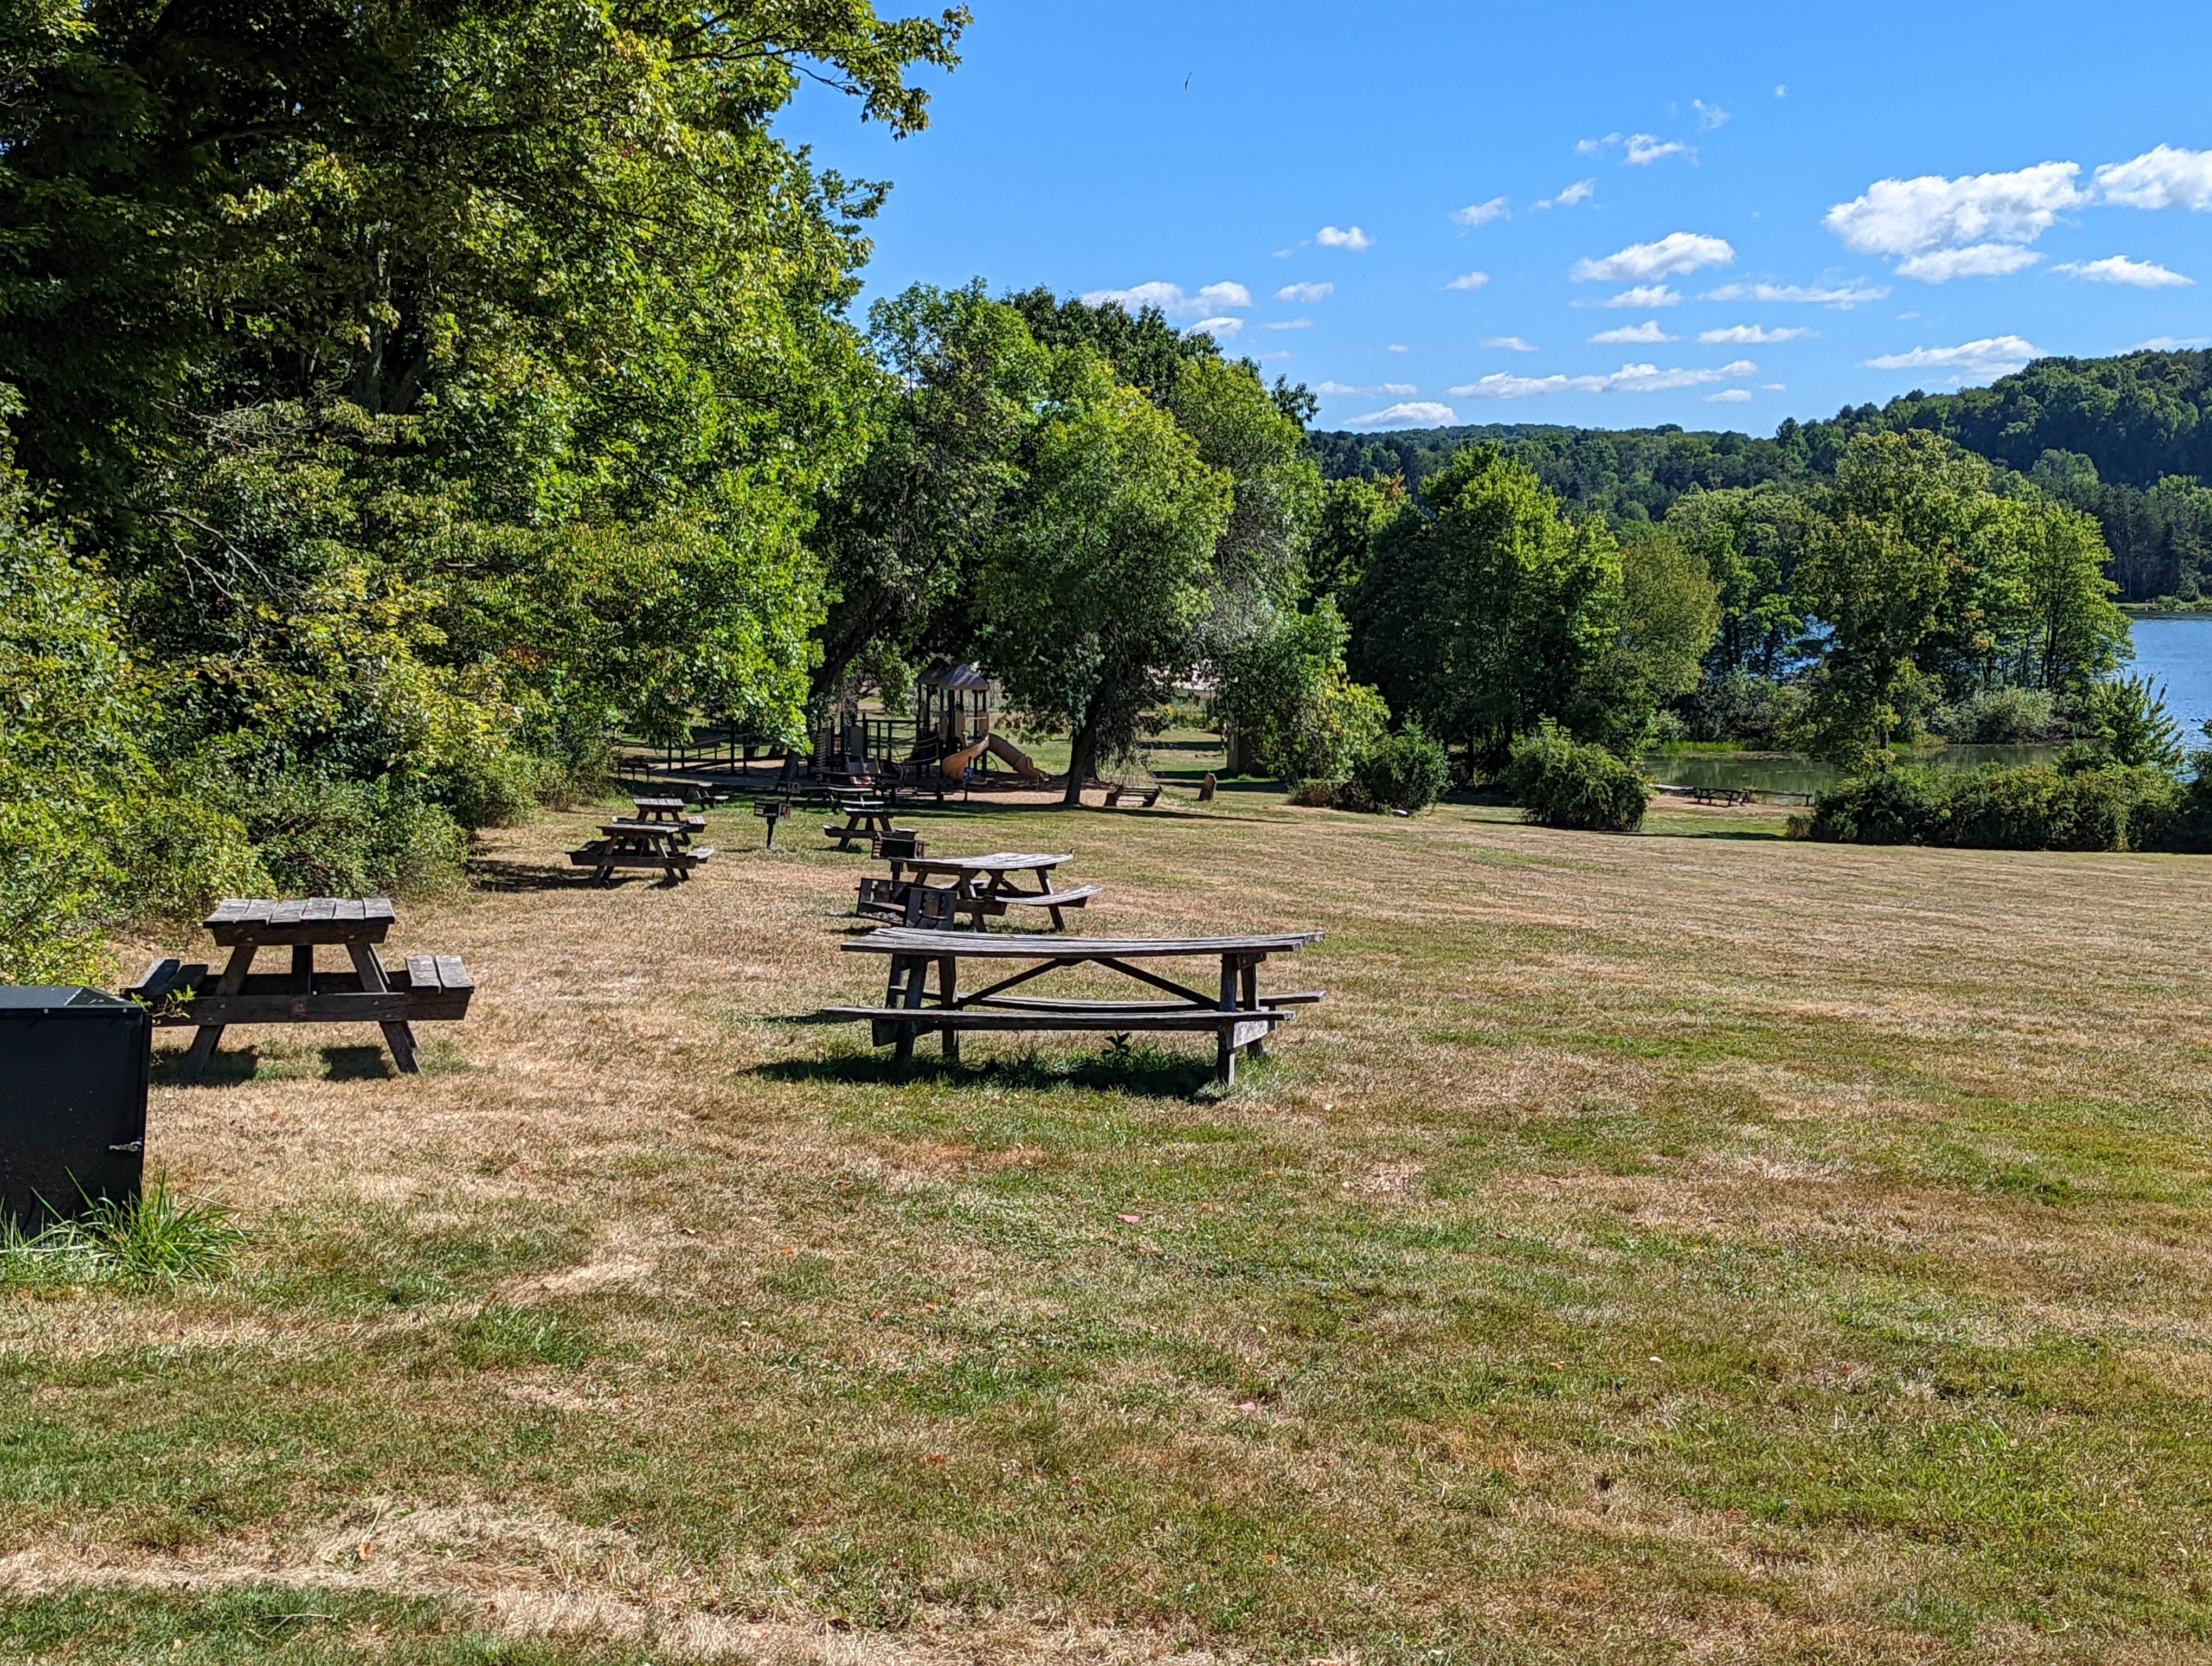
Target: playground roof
[965,676]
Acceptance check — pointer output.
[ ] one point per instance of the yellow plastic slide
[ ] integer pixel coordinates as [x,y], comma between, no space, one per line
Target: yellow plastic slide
[956,763]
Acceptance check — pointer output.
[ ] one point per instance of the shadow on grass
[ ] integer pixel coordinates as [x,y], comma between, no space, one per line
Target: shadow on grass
[491,873]
[1138,1070]
[233,1067]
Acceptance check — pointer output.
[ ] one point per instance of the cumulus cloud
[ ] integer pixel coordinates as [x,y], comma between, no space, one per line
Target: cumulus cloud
[1677,252]
[2161,178]
[2118,268]
[1581,191]
[1710,116]
[1729,396]
[2170,343]
[1349,238]
[1274,358]
[1645,148]
[1468,280]
[1592,147]
[1305,294]
[1224,328]
[1842,296]
[1479,214]
[1975,260]
[1906,216]
[1993,355]
[1170,299]
[1393,390]
[1288,323]
[1641,298]
[1648,330]
[1629,379]
[1509,344]
[1398,347]
[1750,335]
[1420,414]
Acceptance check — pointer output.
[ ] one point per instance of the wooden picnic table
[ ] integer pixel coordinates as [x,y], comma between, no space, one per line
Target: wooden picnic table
[432,987]
[1236,1013]
[989,885]
[670,812]
[640,844]
[867,817]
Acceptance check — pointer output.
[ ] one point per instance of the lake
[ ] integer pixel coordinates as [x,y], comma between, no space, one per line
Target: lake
[2176,652]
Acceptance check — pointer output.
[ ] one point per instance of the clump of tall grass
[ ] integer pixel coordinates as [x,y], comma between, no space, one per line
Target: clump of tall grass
[158,1237]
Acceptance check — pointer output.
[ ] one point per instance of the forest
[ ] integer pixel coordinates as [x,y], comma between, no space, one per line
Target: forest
[399,404]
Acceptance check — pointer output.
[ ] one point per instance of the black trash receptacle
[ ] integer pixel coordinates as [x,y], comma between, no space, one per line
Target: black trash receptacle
[73,1069]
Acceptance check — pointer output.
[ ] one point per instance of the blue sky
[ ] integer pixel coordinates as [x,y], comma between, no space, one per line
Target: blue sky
[1436,208]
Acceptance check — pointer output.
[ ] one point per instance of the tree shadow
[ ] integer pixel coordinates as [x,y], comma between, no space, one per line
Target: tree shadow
[495,874]
[1138,1070]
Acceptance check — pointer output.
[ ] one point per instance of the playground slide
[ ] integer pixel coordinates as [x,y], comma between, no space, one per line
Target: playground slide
[955,765]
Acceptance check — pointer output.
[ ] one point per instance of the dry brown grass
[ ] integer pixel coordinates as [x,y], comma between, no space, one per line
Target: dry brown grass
[1702,1247]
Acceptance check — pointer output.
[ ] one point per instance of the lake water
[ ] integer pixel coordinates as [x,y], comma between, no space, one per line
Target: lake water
[2177,653]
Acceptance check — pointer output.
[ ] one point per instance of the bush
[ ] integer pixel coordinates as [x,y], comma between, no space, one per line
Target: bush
[1314,794]
[2029,807]
[1559,782]
[2000,717]
[1755,710]
[349,838]
[1405,771]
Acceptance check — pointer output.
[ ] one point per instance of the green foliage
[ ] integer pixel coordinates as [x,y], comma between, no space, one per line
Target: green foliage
[2000,717]
[329,836]
[1352,514]
[158,1237]
[1670,616]
[1755,710]
[1558,781]
[1752,541]
[2028,807]
[2131,727]
[1405,771]
[1493,615]
[1288,706]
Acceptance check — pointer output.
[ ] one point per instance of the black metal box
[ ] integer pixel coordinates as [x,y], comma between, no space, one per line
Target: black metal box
[73,1069]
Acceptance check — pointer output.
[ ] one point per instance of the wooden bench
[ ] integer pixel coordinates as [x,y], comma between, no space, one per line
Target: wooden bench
[1146,796]
[430,987]
[1719,795]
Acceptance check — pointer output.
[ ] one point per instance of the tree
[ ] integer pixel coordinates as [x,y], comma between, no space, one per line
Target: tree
[1352,514]
[1098,578]
[2072,635]
[1275,487]
[1492,615]
[1287,706]
[1669,615]
[1751,541]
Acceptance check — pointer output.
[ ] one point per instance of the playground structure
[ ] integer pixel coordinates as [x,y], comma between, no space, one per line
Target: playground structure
[952,724]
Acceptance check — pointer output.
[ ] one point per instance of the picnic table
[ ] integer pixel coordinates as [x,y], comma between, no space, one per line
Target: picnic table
[982,886]
[1719,795]
[1236,1013]
[431,987]
[867,817]
[628,843]
[670,812]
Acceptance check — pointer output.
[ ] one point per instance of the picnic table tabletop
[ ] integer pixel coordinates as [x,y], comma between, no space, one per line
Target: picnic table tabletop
[1010,945]
[257,920]
[999,862]
[675,805]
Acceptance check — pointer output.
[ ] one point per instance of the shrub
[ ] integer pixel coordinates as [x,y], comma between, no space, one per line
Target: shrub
[1755,710]
[1999,717]
[2029,807]
[349,838]
[1405,771]
[1314,794]
[1560,782]
[1884,806]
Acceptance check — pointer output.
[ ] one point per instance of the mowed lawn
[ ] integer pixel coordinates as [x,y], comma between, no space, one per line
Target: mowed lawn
[1697,1246]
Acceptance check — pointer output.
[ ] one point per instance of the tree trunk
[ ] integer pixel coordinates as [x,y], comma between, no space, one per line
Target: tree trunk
[1082,758]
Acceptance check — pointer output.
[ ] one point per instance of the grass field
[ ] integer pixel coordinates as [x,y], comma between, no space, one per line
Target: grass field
[1700,1246]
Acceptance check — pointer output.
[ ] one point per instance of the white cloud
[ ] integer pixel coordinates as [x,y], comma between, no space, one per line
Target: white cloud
[1975,260]
[1729,396]
[1750,335]
[1648,330]
[1629,379]
[1468,280]
[1421,414]
[1274,358]
[1509,343]
[2161,178]
[1581,191]
[2134,274]
[1992,355]
[1288,323]
[1677,252]
[1480,213]
[1710,116]
[1592,147]
[1350,238]
[1305,294]
[1641,298]
[1645,148]
[1170,299]
[1394,390]
[1398,347]
[1906,216]
[1224,328]
[1781,92]
[2170,343]
[1842,297]
[1774,388]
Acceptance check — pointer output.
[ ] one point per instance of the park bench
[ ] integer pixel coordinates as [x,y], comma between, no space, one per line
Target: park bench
[430,987]
[640,844]
[1719,795]
[1237,1015]
[1145,796]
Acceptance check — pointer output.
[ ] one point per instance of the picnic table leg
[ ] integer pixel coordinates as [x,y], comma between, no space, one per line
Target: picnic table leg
[917,969]
[948,982]
[396,1036]
[1224,1056]
[203,1044]
[1248,978]
[303,968]
[1044,880]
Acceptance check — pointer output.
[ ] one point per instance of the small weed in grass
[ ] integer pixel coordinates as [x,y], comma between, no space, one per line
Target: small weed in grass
[498,1337]
[158,1237]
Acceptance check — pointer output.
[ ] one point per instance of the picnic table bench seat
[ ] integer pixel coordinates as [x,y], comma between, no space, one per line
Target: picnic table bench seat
[1146,796]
